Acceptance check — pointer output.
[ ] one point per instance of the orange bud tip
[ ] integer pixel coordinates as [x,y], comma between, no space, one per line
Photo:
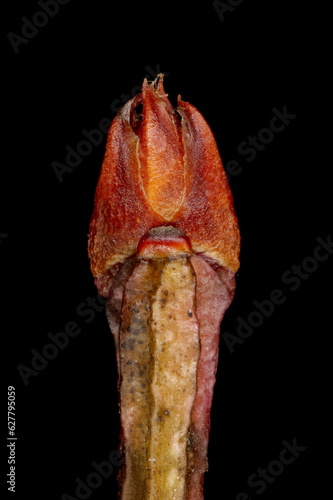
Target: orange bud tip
[155,85]
[163,242]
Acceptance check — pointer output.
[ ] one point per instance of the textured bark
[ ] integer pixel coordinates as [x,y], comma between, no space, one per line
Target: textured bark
[165,313]
[213,297]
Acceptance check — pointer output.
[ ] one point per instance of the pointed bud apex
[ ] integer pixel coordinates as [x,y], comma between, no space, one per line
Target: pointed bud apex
[161,167]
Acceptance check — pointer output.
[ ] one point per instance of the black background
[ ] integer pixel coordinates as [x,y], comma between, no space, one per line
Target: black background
[235,72]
